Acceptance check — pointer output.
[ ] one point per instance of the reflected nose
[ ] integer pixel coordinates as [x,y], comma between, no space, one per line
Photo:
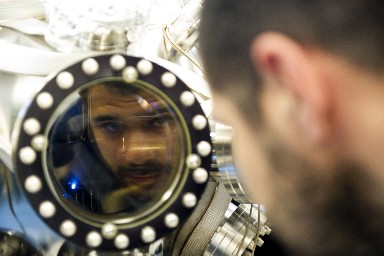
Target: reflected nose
[139,147]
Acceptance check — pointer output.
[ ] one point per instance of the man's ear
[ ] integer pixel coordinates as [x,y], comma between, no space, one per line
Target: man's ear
[288,71]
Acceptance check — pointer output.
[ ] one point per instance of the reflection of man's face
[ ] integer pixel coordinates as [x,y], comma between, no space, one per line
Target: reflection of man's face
[135,136]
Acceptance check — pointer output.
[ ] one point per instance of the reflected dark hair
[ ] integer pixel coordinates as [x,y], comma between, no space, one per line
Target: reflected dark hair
[116,86]
[352,29]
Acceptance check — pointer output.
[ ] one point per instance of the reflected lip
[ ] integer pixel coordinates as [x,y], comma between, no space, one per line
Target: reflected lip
[142,178]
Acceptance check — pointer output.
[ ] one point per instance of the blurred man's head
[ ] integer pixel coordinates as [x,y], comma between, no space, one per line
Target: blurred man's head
[301,83]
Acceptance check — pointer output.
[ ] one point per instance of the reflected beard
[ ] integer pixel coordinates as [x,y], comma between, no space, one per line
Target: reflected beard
[145,174]
[338,211]
[138,185]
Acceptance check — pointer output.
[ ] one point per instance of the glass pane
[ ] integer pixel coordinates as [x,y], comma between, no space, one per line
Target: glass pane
[118,148]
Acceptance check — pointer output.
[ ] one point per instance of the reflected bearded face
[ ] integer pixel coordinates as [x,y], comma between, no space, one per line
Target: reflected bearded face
[135,136]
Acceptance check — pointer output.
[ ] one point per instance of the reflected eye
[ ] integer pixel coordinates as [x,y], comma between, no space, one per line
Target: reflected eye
[110,126]
[159,121]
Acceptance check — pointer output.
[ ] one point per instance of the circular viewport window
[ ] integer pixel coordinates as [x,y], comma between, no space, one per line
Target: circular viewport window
[116,149]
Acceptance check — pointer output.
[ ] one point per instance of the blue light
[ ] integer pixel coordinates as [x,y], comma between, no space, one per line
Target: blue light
[73,185]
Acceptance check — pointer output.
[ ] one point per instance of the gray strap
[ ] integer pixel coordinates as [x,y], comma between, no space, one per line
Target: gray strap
[206,228]
[194,219]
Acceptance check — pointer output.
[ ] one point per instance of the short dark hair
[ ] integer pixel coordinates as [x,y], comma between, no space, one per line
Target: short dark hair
[113,85]
[352,29]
